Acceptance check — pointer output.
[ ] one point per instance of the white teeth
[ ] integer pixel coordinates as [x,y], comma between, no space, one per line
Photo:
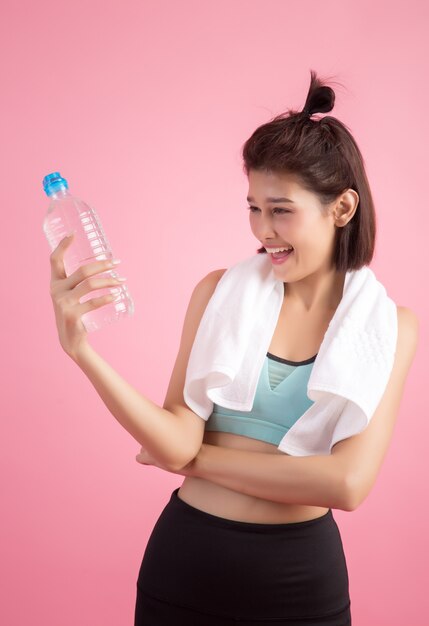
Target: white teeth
[271,250]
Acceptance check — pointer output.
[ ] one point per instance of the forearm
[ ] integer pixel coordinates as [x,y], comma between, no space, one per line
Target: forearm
[159,431]
[308,480]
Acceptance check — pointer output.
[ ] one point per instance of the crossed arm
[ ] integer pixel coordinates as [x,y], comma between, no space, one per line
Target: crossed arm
[342,479]
[315,480]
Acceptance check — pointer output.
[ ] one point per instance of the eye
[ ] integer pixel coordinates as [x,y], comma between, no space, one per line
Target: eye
[253,209]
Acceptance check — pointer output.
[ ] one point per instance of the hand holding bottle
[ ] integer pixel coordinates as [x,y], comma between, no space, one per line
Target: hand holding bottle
[67,213]
[66,292]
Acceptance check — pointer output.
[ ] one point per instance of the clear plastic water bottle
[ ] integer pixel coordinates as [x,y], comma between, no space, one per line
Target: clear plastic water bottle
[67,213]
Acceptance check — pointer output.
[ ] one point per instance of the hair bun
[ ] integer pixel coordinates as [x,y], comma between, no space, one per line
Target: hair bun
[320,97]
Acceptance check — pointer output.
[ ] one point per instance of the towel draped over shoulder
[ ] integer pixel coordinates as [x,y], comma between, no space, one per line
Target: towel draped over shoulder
[348,377]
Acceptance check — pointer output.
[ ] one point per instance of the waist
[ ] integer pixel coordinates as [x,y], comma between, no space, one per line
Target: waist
[211,498]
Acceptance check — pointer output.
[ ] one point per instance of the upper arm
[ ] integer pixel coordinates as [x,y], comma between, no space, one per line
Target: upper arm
[174,400]
[360,456]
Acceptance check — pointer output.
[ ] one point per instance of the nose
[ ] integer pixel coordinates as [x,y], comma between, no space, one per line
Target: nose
[264,228]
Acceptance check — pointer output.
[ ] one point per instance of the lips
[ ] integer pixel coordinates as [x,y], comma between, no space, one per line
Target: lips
[284,256]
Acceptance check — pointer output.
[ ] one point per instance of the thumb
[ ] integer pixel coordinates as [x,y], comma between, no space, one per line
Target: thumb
[56,257]
[65,241]
[69,236]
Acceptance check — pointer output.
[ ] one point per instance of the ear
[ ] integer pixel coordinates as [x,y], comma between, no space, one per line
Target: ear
[346,207]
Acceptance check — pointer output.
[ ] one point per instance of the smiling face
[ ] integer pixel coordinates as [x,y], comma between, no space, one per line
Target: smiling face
[295,219]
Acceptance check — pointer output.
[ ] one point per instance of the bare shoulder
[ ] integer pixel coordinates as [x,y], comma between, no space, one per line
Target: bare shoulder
[205,288]
[199,300]
[408,333]
[404,312]
[217,274]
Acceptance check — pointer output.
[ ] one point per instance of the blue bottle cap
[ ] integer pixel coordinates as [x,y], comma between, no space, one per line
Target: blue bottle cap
[53,182]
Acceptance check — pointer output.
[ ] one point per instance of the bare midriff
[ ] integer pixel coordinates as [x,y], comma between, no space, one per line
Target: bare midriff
[207,496]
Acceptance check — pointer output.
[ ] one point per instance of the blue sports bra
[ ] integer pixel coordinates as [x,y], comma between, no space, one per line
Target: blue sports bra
[280,400]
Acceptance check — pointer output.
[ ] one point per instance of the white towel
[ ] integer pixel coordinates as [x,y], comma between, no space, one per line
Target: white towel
[348,377]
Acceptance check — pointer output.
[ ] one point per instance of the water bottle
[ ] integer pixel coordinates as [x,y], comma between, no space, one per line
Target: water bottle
[67,213]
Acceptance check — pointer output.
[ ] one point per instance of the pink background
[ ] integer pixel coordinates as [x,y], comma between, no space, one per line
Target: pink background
[144,106]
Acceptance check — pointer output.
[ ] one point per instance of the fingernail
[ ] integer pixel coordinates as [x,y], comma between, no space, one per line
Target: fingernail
[115,261]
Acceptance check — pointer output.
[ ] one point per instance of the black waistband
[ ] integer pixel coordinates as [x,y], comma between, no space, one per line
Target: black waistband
[175,500]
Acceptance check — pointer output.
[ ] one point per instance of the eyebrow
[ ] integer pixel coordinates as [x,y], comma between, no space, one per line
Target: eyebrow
[250,199]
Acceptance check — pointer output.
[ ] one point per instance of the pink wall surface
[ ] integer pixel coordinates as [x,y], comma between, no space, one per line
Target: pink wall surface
[144,106]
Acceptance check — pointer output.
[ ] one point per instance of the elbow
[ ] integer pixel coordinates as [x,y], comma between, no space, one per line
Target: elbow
[177,464]
[353,494]
[181,461]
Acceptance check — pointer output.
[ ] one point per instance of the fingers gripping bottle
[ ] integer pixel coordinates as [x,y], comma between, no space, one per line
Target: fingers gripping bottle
[67,213]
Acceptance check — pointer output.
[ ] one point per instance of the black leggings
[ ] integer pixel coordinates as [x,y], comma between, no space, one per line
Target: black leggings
[199,569]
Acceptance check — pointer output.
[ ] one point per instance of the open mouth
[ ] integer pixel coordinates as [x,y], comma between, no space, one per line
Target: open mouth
[281,255]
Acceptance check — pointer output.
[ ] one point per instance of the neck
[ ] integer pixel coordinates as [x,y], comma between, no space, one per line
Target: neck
[316,293]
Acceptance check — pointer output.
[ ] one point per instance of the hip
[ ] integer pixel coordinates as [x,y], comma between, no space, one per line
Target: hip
[233,569]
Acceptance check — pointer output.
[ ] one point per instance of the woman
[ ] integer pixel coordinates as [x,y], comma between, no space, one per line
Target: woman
[249,537]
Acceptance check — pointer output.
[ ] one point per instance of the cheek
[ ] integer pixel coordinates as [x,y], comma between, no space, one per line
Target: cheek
[253,225]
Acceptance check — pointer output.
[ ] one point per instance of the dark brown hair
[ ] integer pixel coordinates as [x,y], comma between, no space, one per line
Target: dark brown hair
[326,160]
